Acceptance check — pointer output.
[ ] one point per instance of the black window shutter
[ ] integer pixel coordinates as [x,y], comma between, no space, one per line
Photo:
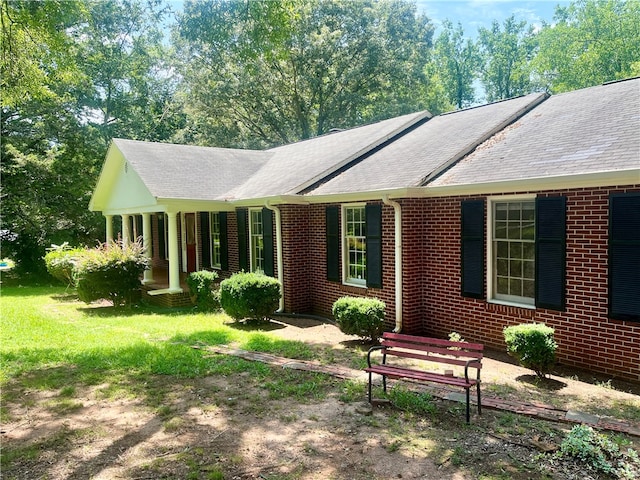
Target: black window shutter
[267,239]
[333,243]
[243,257]
[224,242]
[374,245]
[624,256]
[162,244]
[205,235]
[551,239]
[472,248]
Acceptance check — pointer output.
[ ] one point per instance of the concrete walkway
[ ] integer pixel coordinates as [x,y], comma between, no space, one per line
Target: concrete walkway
[534,409]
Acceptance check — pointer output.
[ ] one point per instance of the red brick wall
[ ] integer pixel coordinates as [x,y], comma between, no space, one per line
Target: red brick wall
[324,293]
[586,337]
[295,253]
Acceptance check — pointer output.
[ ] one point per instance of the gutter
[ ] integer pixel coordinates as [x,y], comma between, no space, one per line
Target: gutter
[279,254]
[397,217]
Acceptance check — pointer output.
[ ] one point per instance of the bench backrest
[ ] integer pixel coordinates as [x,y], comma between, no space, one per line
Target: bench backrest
[432,349]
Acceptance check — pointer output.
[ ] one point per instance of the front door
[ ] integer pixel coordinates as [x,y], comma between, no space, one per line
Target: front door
[190,240]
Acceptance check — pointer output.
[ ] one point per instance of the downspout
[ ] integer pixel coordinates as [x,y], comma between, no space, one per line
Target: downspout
[397,215]
[279,258]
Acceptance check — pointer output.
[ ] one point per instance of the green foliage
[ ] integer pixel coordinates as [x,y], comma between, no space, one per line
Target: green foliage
[506,58]
[250,295]
[598,452]
[61,260]
[360,316]
[533,345]
[266,73]
[111,271]
[200,286]
[590,42]
[456,60]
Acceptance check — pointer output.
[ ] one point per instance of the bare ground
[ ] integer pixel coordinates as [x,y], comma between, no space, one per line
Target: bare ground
[228,427]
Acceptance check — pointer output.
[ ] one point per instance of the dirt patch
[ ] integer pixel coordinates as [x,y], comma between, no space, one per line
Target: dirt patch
[230,427]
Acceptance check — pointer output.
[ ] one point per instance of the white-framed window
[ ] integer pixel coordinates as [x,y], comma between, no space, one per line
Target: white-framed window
[355,244]
[214,226]
[256,239]
[511,230]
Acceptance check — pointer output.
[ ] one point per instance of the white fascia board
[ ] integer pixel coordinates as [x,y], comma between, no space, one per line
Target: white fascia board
[620,178]
[275,200]
[379,141]
[393,193]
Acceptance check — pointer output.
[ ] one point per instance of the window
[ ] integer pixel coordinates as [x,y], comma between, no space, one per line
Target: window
[514,251]
[257,241]
[216,253]
[355,244]
[526,250]
[358,241]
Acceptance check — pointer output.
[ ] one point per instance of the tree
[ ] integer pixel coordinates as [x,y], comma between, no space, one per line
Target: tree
[506,55]
[592,42]
[91,72]
[456,60]
[266,73]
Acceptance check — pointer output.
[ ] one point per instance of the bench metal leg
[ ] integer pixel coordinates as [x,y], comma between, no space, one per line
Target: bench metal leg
[369,391]
[468,413]
[479,402]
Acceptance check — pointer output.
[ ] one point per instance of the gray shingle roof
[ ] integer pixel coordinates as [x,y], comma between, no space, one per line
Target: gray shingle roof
[592,130]
[409,160]
[190,172]
[292,167]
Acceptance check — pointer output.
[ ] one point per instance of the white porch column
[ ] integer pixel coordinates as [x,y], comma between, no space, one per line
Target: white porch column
[146,242]
[174,261]
[126,234]
[109,222]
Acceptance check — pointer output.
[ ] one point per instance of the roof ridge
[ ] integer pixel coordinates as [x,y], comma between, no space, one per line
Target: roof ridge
[444,166]
[310,185]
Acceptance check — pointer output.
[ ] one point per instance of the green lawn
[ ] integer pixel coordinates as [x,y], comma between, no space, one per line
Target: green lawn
[45,331]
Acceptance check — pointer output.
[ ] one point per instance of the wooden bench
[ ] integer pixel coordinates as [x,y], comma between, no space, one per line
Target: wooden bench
[463,354]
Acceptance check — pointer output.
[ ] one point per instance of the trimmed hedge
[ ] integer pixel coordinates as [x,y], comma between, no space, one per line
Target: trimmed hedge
[360,316]
[532,345]
[200,286]
[250,295]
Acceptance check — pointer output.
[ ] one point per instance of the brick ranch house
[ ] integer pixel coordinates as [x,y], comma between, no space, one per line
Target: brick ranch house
[525,210]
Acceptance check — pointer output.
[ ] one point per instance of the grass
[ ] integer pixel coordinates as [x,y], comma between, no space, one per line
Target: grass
[52,344]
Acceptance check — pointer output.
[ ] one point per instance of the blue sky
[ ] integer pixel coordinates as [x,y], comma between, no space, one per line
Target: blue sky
[473,14]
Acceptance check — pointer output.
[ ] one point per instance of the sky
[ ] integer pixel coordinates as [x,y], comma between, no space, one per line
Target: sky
[473,14]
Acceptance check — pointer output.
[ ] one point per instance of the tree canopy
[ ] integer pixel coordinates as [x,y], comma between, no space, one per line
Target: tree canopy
[267,73]
[244,73]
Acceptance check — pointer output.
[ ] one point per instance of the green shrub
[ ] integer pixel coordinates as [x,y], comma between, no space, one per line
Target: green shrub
[598,452]
[200,286]
[250,295]
[111,271]
[532,345]
[60,261]
[360,316]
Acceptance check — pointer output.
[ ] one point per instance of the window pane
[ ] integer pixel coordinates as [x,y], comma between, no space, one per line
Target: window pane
[503,250]
[503,285]
[529,270]
[514,250]
[502,266]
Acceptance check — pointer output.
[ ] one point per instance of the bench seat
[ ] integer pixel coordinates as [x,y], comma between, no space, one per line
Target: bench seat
[432,351]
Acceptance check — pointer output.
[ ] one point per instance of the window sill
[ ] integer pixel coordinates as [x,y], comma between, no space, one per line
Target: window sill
[511,304]
[355,285]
